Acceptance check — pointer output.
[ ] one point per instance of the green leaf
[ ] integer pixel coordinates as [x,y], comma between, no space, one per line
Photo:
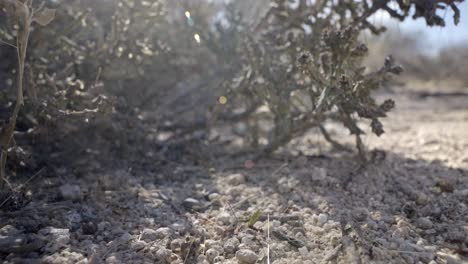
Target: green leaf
[254,218]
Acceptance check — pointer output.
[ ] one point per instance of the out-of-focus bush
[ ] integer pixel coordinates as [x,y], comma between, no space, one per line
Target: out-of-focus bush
[107,77]
[438,70]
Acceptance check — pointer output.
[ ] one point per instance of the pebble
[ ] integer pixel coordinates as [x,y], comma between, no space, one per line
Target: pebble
[360,214]
[219,259]
[8,230]
[231,245]
[224,218]
[322,219]
[246,256]
[112,260]
[211,254]
[179,227]
[125,237]
[247,240]
[424,223]
[88,228]
[214,196]
[148,235]
[163,232]
[304,252]
[176,244]
[192,203]
[163,254]
[70,192]
[236,179]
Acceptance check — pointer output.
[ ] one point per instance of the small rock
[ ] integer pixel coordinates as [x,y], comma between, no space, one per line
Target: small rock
[89,228]
[211,254]
[179,227]
[236,179]
[322,219]
[224,218]
[422,199]
[112,260]
[148,235]
[231,245]
[176,244]
[304,252]
[219,259]
[445,185]
[125,237]
[424,223]
[8,230]
[210,243]
[163,254]
[214,196]
[138,245]
[247,240]
[191,203]
[246,256]
[360,214]
[163,232]
[70,192]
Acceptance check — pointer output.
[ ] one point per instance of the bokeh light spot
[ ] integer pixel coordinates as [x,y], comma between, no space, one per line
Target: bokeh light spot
[249,164]
[197,38]
[222,100]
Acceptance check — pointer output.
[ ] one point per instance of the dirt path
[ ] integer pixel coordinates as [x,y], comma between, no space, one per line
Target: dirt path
[412,207]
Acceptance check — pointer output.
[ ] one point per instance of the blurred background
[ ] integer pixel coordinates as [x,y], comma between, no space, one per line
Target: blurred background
[433,57]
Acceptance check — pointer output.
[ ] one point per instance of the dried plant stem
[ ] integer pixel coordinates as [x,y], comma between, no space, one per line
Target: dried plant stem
[7,135]
[333,142]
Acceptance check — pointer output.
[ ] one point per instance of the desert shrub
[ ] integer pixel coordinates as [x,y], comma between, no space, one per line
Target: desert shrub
[303,61]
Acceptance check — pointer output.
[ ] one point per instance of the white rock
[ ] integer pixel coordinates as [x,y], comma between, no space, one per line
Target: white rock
[304,252]
[214,196]
[236,179]
[246,256]
[322,219]
[224,218]
[112,260]
[219,259]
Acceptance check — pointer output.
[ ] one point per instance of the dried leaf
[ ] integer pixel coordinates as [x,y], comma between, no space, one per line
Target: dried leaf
[44,16]
[22,10]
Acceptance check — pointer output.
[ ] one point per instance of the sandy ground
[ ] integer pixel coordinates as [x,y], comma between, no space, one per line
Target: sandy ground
[316,207]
